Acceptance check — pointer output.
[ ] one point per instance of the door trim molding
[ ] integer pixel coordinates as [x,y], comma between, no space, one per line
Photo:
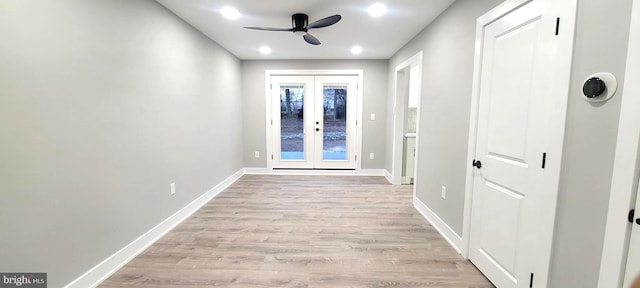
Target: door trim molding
[567,11]
[311,72]
[398,120]
[626,168]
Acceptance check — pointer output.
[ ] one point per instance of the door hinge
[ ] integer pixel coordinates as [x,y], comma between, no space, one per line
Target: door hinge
[356,157]
[544,160]
[271,86]
[271,156]
[271,122]
[557,26]
[531,281]
[356,122]
[632,214]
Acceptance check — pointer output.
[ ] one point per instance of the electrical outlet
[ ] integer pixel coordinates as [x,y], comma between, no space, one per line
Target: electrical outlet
[443,193]
[257,154]
[373,117]
[372,156]
[173,188]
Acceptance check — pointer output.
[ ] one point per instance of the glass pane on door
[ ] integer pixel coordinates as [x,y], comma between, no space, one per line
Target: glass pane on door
[291,122]
[334,122]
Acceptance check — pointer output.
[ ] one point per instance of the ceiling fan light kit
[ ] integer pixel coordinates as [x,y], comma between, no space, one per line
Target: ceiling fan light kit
[300,22]
[300,26]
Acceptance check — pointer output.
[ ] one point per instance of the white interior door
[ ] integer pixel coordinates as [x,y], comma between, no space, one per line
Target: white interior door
[314,122]
[507,236]
[633,259]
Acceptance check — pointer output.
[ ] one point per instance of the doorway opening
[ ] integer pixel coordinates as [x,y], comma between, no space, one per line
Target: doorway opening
[406,120]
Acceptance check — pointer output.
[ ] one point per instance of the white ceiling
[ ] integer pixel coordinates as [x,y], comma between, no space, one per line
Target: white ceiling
[380,37]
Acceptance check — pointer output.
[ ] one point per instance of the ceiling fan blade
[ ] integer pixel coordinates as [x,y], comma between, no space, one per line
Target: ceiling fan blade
[311,39]
[324,22]
[269,29]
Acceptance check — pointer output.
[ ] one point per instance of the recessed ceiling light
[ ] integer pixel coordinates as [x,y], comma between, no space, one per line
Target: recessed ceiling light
[377,10]
[230,13]
[356,50]
[265,50]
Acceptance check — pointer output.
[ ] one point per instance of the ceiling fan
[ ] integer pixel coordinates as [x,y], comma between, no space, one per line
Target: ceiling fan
[301,26]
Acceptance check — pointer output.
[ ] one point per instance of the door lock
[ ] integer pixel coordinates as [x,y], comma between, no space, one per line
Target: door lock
[476,164]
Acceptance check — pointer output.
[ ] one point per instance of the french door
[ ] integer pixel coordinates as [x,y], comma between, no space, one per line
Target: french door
[313,122]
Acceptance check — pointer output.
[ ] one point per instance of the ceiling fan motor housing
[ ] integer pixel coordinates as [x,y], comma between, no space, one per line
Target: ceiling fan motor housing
[300,22]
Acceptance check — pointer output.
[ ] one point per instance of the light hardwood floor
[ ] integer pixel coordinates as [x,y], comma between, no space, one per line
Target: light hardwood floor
[303,231]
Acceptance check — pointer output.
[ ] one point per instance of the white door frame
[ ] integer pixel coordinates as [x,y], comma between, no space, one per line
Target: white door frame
[399,104]
[566,10]
[286,72]
[625,168]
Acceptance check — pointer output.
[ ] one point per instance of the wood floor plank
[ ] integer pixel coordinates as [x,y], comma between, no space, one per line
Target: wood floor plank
[303,231]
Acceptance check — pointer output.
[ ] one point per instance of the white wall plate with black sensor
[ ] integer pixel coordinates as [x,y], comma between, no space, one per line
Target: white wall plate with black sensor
[599,87]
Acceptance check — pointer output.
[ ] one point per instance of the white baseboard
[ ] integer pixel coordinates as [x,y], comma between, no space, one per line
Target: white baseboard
[102,271]
[361,172]
[388,176]
[371,172]
[257,171]
[451,236]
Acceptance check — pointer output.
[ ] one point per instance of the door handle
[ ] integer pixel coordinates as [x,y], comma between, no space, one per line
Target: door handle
[476,164]
[317,129]
[631,215]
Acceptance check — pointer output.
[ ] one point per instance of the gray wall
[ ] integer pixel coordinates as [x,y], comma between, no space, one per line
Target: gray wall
[375,97]
[103,103]
[448,45]
[590,142]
